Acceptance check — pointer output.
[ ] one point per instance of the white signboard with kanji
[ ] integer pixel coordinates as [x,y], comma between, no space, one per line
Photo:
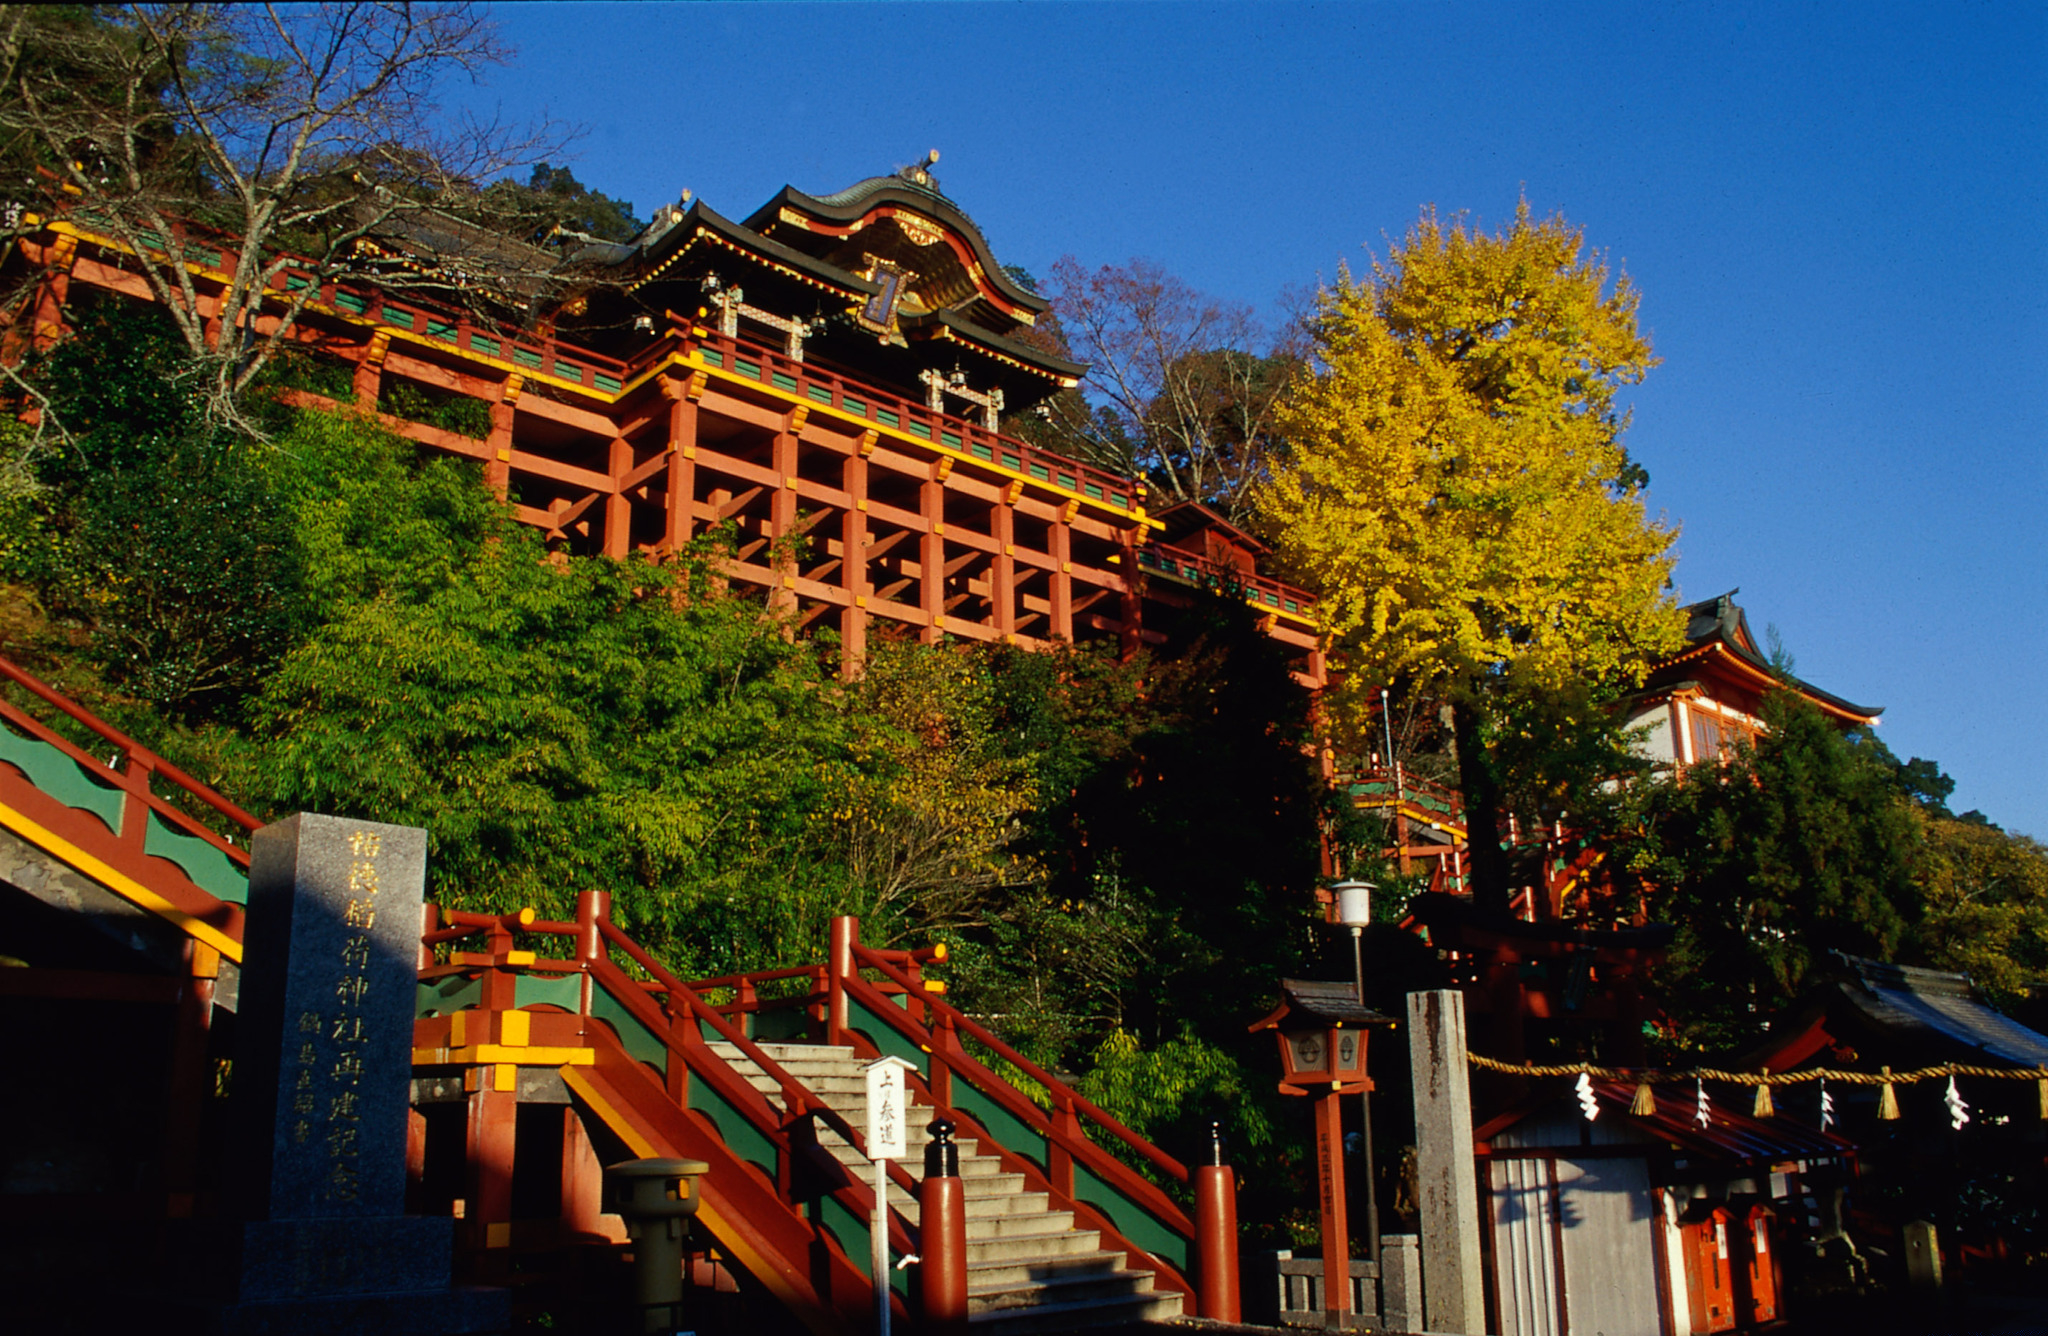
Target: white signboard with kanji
[888,1108]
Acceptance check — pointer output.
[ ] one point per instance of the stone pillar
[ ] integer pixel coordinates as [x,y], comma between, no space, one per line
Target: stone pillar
[1448,1174]
[1401,1282]
[322,1089]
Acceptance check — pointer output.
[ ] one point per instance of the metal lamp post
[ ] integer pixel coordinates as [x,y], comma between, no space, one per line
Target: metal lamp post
[1354,911]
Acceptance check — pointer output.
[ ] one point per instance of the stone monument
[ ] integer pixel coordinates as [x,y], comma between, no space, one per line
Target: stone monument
[320,1242]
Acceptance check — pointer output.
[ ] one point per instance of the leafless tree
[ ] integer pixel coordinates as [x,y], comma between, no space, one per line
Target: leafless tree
[286,136]
[1180,386]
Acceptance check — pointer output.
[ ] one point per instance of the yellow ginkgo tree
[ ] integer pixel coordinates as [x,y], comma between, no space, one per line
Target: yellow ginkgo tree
[1456,485]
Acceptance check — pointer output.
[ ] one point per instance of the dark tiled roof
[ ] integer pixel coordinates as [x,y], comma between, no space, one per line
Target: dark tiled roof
[1936,1006]
[1329,1000]
[1722,619]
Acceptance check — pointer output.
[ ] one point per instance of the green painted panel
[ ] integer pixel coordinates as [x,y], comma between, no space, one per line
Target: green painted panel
[210,870]
[1092,490]
[1011,461]
[950,438]
[782,381]
[61,777]
[746,368]
[555,990]
[886,1037]
[1119,499]
[1132,1221]
[526,357]
[639,1041]
[352,301]
[1010,1132]
[1041,472]
[853,405]
[394,316]
[822,393]
[711,357]
[445,997]
[605,382]
[297,283]
[1067,481]
[921,429]
[982,451]
[735,1129]
[887,418]
[569,371]
[439,329]
[849,1229]
[483,344]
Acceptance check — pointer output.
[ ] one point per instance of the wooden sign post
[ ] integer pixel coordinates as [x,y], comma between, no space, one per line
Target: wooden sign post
[888,1113]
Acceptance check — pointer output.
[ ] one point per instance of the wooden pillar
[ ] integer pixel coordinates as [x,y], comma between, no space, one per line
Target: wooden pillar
[1002,574]
[498,468]
[1060,580]
[681,517]
[1130,611]
[47,326]
[1336,1226]
[853,563]
[618,508]
[583,1184]
[369,382]
[931,552]
[190,1073]
[782,512]
[493,1124]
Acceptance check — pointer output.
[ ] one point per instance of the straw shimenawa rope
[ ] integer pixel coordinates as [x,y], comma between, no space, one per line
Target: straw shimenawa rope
[1886,1079]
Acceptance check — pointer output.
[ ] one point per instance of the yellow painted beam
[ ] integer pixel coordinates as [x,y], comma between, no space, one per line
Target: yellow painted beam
[481,1055]
[120,883]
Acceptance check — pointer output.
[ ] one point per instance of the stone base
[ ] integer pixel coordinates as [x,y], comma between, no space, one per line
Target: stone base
[316,1277]
[259,1261]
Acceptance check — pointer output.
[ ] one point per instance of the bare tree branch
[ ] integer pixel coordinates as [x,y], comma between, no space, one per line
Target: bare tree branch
[285,136]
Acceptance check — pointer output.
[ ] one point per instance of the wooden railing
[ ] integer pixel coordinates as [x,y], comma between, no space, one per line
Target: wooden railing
[818,382]
[1257,589]
[1101,1190]
[134,771]
[682,1021]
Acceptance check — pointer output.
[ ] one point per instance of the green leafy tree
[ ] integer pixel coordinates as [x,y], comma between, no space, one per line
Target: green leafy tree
[1792,849]
[1457,489]
[1986,914]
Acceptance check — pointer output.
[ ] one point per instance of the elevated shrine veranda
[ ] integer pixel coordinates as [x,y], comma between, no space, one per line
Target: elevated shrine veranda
[644,413]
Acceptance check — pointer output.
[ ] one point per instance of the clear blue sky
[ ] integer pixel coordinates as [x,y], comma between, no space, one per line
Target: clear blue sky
[1836,214]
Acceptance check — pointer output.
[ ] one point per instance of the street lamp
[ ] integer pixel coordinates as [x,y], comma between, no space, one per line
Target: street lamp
[1354,911]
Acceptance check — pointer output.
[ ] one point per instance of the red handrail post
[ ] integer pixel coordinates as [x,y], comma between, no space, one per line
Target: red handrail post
[1059,1155]
[593,910]
[1216,1238]
[942,1236]
[845,934]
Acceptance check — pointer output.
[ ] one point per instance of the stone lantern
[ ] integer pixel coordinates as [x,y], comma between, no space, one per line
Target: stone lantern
[1321,1027]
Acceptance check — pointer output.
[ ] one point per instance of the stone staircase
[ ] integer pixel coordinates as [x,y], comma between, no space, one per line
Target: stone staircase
[1029,1268]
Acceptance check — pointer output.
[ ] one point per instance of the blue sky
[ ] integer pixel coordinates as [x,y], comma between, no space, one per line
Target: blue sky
[1837,215]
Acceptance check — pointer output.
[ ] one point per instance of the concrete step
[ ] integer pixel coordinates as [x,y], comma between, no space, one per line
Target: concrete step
[1004,1226]
[1002,1272]
[1077,1316]
[1059,1287]
[1031,1248]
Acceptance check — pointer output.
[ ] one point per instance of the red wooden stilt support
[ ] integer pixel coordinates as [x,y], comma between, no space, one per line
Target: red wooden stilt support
[942,1234]
[1216,1237]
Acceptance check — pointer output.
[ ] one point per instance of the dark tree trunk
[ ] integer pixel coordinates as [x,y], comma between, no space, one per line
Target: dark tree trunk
[1480,788]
